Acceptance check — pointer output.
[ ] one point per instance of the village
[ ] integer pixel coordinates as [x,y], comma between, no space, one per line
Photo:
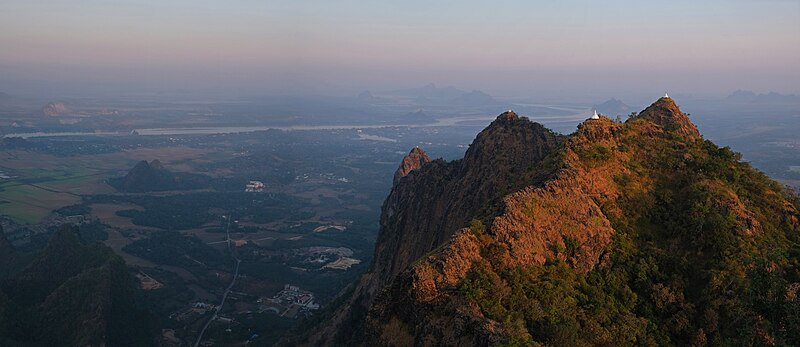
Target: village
[291,302]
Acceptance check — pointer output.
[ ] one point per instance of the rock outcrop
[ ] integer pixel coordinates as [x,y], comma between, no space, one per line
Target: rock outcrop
[665,112]
[414,160]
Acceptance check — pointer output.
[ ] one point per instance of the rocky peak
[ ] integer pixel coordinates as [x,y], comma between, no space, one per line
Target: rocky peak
[442,197]
[665,113]
[507,116]
[508,146]
[412,161]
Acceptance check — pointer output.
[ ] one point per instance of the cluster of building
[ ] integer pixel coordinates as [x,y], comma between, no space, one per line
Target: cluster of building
[254,187]
[291,302]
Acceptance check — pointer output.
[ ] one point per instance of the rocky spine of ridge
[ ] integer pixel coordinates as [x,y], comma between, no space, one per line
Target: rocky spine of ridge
[414,160]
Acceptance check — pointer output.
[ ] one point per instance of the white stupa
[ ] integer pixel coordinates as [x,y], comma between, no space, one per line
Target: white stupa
[595,115]
[665,95]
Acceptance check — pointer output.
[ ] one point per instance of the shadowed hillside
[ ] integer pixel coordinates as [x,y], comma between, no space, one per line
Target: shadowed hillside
[71,294]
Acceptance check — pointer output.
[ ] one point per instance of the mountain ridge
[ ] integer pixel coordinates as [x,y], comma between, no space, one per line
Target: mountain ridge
[590,210]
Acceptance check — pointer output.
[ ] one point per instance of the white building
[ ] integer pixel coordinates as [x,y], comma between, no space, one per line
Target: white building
[254,187]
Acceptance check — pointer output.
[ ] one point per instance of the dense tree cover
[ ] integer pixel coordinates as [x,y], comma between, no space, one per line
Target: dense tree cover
[708,256]
[72,210]
[72,294]
[93,231]
[163,301]
[187,211]
[173,248]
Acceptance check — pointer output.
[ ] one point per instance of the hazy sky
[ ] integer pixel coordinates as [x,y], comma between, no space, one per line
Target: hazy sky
[509,48]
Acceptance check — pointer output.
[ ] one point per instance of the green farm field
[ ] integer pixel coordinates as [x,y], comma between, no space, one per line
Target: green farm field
[39,183]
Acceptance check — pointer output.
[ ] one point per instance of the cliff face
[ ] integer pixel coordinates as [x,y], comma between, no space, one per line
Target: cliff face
[426,208]
[414,160]
[621,233]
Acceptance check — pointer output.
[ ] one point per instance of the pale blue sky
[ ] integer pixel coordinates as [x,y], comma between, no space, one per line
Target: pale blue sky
[508,48]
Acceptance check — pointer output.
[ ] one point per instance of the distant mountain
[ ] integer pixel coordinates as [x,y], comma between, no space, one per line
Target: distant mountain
[366,96]
[430,91]
[749,96]
[153,177]
[634,233]
[72,294]
[475,98]
[56,109]
[432,95]
[418,117]
[613,107]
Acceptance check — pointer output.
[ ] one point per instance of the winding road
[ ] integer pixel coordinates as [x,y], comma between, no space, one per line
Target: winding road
[227,290]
